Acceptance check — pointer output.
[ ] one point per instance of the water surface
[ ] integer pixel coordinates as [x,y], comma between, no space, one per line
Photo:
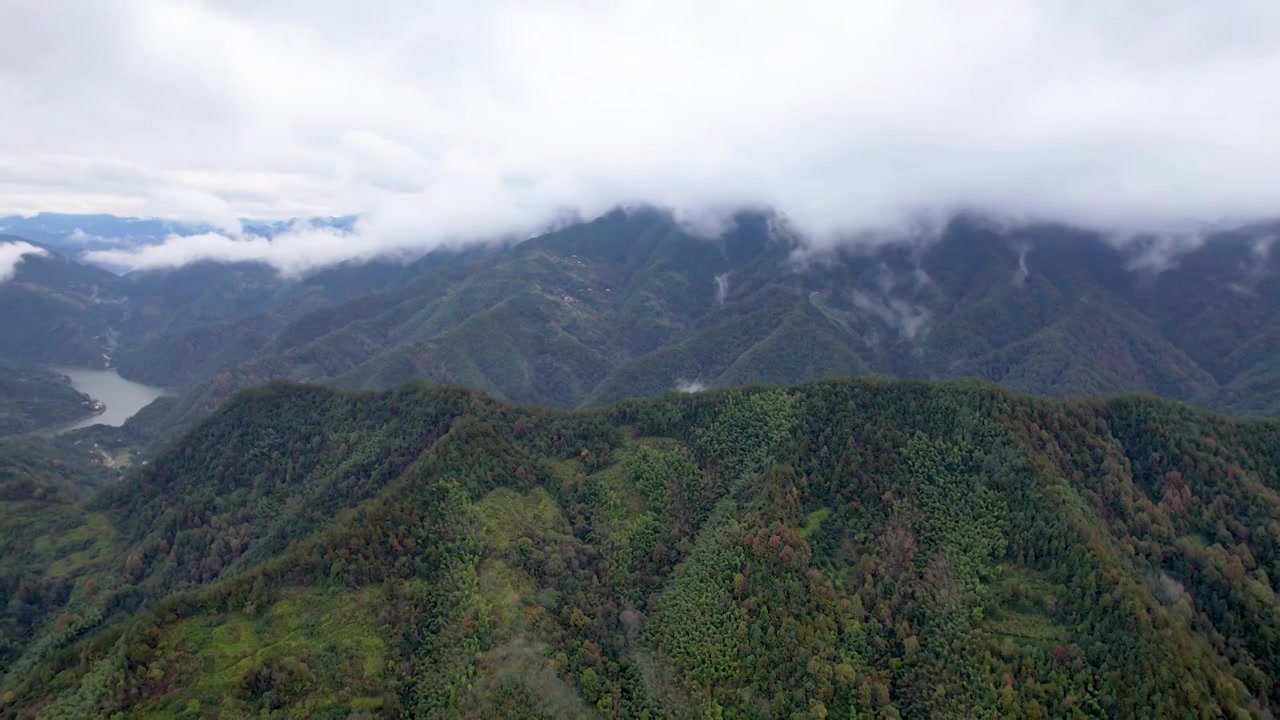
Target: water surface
[123,398]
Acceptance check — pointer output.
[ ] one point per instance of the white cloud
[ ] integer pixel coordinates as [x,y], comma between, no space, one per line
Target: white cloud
[445,122]
[690,386]
[722,287]
[12,253]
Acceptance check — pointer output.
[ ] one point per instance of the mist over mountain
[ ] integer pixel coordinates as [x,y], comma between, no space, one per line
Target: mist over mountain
[108,239]
[633,304]
[13,251]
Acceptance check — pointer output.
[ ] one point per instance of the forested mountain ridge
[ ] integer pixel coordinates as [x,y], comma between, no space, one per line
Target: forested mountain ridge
[856,548]
[631,304]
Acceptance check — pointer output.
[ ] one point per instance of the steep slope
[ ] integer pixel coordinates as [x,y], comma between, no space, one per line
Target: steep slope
[1094,349]
[187,324]
[839,549]
[46,534]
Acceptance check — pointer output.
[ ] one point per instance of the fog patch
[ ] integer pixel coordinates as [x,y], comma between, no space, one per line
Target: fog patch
[1021,273]
[722,287]
[1262,246]
[12,253]
[1157,253]
[690,386]
[910,320]
[1242,289]
[1170,590]
[301,248]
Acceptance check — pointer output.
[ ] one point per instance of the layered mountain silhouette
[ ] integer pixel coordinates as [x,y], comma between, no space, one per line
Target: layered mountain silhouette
[631,304]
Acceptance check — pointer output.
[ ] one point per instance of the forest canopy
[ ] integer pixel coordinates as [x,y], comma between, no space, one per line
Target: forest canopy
[854,548]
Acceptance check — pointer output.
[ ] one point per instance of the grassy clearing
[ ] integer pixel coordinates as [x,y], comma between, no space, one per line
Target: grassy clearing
[506,514]
[332,634]
[81,548]
[814,521]
[565,472]
[1031,630]
[1023,611]
[505,592]
[625,499]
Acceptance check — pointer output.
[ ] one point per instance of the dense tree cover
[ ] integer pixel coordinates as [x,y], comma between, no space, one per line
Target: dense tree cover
[35,398]
[632,305]
[842,549]
[47,538]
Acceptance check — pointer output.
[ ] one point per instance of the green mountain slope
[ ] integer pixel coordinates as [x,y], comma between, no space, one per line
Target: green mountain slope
[841,549]
[1095,349]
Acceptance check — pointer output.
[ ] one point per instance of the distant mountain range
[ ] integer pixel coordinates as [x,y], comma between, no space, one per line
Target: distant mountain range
[631,304]
[73,233]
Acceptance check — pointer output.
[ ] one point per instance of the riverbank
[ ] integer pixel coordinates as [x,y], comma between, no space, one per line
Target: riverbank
[34,398]
[120,399]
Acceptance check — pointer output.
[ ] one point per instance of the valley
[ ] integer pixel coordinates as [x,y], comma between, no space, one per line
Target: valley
[121,399]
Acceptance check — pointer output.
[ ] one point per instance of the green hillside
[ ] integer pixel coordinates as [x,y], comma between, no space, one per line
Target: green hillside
[859,548]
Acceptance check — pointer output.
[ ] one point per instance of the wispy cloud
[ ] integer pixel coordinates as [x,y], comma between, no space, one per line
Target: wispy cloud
[722,287]
[690,386]
[12,253]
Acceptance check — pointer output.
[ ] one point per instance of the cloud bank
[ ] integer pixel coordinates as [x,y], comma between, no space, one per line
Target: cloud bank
[446,123]
[12,253]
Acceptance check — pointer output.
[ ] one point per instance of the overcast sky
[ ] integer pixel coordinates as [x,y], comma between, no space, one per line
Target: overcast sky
[444,122]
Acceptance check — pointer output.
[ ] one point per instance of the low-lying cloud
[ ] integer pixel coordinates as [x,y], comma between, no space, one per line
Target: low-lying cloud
[293,252]
[463,122]
[12,253]
[690,386]
[722,287]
